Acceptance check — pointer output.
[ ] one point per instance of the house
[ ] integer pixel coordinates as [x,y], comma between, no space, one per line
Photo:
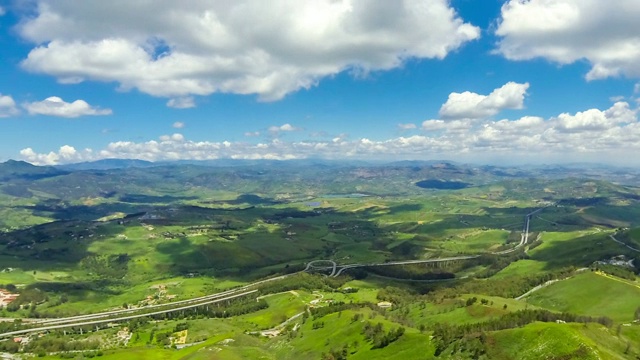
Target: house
[6,297]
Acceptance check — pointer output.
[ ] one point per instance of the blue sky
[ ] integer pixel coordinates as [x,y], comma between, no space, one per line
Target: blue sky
[489,81]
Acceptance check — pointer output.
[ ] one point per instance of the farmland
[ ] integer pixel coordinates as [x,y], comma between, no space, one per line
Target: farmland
[89,241]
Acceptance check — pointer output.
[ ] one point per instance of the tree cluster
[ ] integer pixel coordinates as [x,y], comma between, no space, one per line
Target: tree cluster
[447,334]
[376,335]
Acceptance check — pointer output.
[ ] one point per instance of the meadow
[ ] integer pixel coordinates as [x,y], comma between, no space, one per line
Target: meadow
[78,242]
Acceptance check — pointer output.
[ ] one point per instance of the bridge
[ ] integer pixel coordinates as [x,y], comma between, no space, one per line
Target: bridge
[336,270]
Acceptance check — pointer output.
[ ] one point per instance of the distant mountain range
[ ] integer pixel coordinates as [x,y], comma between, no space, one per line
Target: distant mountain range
[13,170]
[21,170]
[107,164]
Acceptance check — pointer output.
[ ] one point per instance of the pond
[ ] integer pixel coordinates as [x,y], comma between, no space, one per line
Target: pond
[442,184]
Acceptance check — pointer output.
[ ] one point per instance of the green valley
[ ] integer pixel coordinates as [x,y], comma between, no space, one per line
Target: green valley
[303,260]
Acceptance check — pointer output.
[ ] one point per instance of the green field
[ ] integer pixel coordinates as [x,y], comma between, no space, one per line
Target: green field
[591,294]
[81,242]
[536,341]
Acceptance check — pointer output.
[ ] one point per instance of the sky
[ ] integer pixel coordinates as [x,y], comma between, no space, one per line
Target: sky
[493,81]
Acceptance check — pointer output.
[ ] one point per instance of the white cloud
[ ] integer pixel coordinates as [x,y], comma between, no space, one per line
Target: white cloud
[55,106]
[469,105]
[607,34]
[178,125]
[594,134]
[7,106]
[596,120]
[288,127]
[184,102]
[242,47]
[636,88]
[276,130]
[252,133]
[433,125]
[2,11]
[408,126]
[450,126]
[66,154]
[172,138]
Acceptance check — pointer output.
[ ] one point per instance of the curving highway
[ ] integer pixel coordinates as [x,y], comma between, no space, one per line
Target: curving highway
[311,265]
[404,262]
[524,239]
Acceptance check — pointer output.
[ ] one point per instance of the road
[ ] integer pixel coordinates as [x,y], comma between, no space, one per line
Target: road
[524,239]
[119,319]
[106,314]
[620,242]
[543,285]
[311,265]
[404,262]
[527,221]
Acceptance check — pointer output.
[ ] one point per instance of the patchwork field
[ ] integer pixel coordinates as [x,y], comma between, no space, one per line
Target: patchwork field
[132,240]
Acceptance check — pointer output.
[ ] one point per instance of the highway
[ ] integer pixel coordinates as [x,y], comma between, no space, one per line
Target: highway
[404,262]
[122,318]
[72,320]
[524,239]
[311,265]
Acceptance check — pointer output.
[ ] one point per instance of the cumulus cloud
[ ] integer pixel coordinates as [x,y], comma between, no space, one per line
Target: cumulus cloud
[178,125]
[55,106]
[450,126]
[408,126]
[595,134]
[596,120]
[565,31]
[242,47]
[185,102]
[66,154]
[252,133]
[172,138]
[7,106]
[470,105]
[276,130]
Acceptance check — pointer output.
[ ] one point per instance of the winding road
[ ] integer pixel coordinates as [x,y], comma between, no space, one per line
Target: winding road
[621,243]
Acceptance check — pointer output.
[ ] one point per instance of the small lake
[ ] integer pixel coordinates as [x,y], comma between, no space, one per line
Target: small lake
[442,185]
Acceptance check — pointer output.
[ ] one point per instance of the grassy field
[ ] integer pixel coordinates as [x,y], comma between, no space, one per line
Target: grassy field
[591,294]
[538,340]
[86,242]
